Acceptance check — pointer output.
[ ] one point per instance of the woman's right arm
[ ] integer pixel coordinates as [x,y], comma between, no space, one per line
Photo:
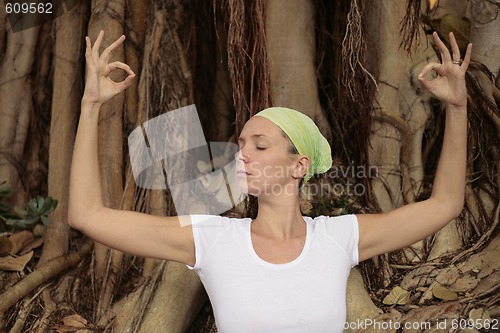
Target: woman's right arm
[131,232]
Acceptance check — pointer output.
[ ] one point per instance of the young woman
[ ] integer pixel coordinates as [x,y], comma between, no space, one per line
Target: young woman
[281,272]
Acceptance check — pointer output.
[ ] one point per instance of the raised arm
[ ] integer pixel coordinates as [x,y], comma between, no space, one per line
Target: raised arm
[131,232]
[381,233]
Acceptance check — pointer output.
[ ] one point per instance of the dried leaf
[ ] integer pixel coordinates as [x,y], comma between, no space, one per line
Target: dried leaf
[444,293]
[5,246]
[479,314]
[397,296]
[10,263]
[20,239]
[33,245]
[75,321]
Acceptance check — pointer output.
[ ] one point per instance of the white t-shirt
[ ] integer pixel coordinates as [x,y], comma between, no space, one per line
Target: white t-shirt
[248,294]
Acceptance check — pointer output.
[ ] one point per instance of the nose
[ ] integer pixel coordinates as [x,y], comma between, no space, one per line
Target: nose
[240,156]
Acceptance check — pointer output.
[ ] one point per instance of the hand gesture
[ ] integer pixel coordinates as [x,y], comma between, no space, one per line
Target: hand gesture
[99,88]
[449,85]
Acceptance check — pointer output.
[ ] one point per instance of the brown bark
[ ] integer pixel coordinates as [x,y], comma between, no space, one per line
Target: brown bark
[401,112]
[172,308]
[16,108]
[3,32]
[36,147]
[291,52]
[222,95]
[67,91]
[136,21]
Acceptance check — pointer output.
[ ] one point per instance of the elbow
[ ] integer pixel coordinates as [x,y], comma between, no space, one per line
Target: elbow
[457,209]
[74,213]
[79,217]
[452,209]
[73,218]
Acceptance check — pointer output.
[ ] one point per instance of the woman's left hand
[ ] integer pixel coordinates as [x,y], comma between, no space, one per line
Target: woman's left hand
[449,85]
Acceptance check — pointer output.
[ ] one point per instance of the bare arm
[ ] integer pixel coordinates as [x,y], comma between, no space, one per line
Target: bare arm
[381,233]
[135,233]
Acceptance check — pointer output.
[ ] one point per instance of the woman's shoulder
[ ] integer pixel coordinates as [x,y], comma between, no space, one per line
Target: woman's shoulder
[347,218]
[335,226]
[215,220]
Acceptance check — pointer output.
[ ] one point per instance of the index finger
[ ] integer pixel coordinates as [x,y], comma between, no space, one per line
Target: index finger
[88,49]
[468,53]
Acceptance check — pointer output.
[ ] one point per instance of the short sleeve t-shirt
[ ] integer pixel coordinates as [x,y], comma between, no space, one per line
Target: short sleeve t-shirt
[248,294]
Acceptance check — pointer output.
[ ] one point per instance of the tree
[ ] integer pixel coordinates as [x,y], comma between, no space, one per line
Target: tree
[350,65]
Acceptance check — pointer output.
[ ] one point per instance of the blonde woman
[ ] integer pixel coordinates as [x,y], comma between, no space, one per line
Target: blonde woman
[280,272]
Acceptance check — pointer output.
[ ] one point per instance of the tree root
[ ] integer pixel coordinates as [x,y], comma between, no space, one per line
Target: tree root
[42,275]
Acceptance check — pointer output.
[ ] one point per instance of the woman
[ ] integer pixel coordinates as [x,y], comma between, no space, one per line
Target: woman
[280,272]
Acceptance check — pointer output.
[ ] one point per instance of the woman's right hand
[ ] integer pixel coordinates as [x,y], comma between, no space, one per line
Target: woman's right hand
[99,87]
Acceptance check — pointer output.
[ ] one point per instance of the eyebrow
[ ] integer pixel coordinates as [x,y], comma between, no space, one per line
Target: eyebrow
[241,139]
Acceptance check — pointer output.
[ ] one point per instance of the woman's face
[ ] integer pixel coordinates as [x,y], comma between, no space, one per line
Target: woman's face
[264,161]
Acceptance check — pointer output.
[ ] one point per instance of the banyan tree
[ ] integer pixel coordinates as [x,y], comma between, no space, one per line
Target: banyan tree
[351,66]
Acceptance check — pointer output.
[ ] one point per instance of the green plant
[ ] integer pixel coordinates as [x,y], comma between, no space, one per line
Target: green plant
[36,210]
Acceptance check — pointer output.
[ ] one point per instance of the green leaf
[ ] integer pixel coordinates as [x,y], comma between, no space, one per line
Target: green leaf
[49,205]
[40,201]
[16,223]
[20,212]
[45,220]
[31,208]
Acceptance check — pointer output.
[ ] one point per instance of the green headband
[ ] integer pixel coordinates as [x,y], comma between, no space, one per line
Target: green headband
[305,136]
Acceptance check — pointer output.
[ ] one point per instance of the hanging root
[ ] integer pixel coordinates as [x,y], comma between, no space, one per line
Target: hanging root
[410,25]
[354,75]
[247,58]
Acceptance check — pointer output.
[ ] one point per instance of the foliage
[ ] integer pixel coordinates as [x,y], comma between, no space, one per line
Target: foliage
[36,210]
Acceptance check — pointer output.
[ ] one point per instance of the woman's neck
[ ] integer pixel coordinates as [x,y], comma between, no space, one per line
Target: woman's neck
[280,219]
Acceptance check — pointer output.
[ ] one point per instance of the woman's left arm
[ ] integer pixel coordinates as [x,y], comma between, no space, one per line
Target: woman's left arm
[381,233]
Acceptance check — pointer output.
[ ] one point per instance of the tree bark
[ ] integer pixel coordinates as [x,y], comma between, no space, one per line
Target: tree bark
[484,32]
[291,52]
[401,112]
[67,92]
[16,108]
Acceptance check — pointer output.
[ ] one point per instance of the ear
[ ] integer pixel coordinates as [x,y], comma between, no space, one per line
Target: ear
[301,167]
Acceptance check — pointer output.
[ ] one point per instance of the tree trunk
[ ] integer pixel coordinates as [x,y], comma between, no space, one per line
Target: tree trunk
[67,92]
[291,52]
[401,112]
[16,108]
[484,32]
